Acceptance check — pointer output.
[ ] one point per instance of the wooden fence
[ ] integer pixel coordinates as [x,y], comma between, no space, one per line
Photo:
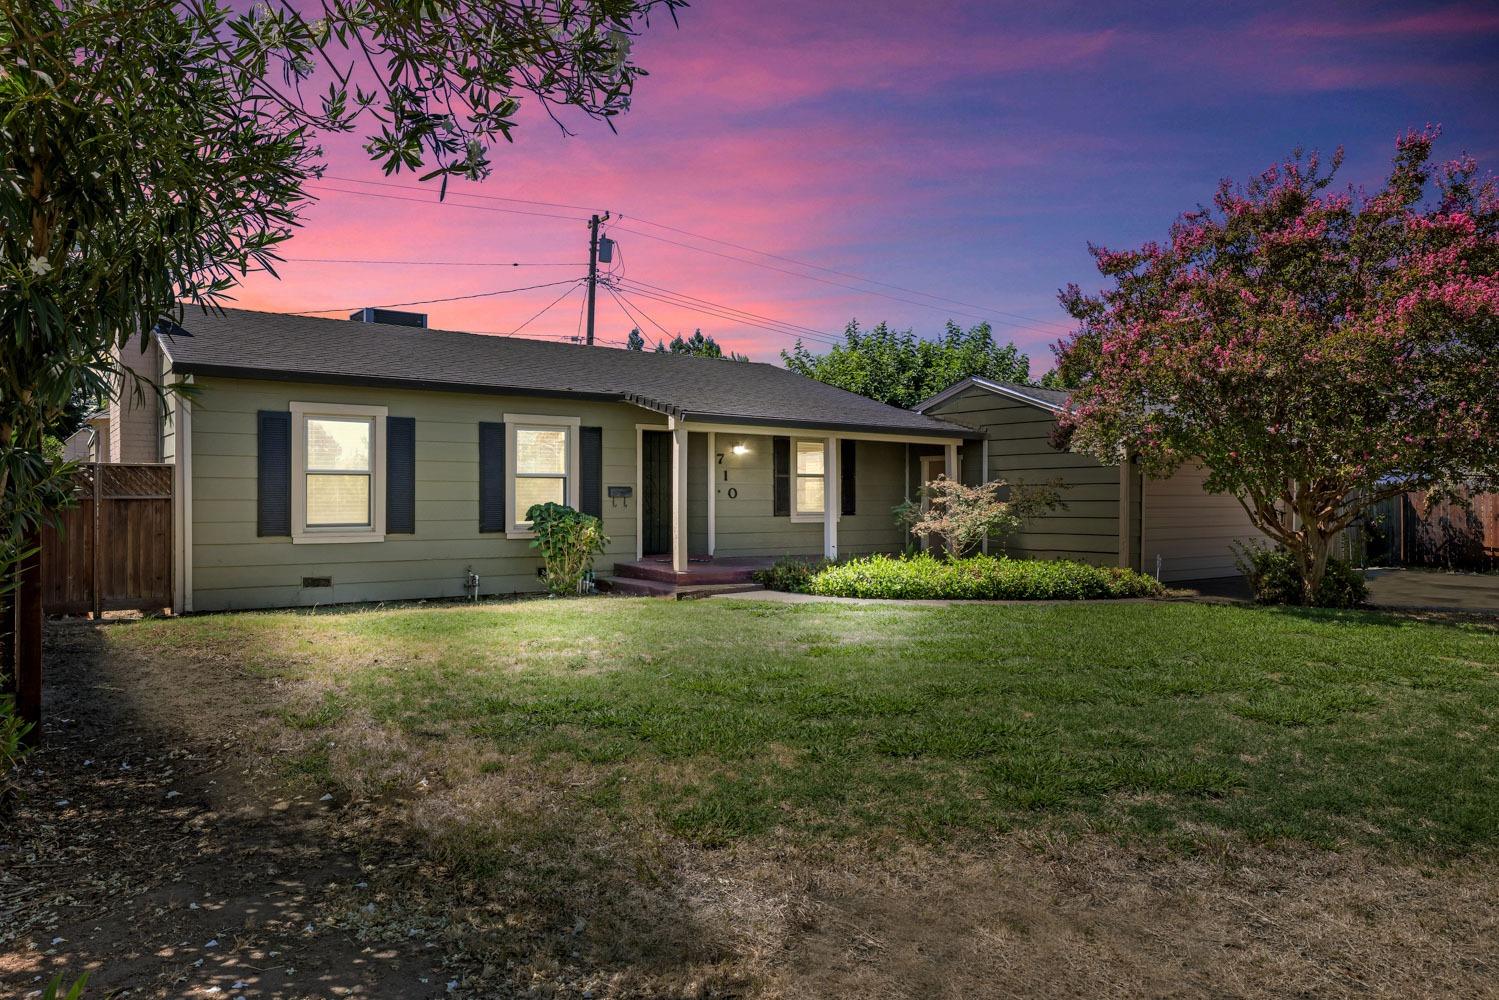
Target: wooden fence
[113,548]
[1404,532]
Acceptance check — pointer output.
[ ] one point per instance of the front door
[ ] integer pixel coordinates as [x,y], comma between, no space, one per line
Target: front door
[655,493]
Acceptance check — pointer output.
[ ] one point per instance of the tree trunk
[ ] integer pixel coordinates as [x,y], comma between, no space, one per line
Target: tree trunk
[1318,548]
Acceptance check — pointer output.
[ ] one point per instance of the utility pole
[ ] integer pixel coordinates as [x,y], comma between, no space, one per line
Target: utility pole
[593,268]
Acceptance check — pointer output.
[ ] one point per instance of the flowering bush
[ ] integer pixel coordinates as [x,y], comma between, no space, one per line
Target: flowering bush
[1274,578]
[1316,350]
[568,541]
[990,578]
[963,516]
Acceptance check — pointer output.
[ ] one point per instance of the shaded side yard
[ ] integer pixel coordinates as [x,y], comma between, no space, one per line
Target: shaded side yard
[639,798]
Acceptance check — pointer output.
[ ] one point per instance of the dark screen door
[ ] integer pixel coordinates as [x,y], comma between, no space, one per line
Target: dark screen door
[655,500]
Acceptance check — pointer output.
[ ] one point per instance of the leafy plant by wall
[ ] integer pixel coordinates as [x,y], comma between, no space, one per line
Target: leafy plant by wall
[568,540]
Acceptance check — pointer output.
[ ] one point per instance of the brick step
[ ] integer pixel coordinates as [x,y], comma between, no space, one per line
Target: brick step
[626,586]
[635,587]
[694,575]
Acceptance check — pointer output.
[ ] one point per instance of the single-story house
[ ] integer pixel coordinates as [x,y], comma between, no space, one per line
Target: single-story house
[328,460]
[1170,528]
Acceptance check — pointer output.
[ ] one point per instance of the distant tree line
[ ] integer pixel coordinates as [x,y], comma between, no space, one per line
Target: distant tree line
[902,369]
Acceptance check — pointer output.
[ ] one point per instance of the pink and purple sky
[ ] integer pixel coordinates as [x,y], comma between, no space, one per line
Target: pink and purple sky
[963,151]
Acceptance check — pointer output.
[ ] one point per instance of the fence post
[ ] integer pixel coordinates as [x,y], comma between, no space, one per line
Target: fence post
[93,572]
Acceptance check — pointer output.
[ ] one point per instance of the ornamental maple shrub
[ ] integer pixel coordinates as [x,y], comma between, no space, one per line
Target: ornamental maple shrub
[1317,350]
[962,516]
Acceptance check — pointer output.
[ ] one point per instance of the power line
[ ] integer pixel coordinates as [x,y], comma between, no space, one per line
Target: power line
[544,309]
[449,298]
[463,194]
[729,243]
[808,331]
[845,274]
[1029,323]
[828,281]
[453,204]
[717,313]
[433,263]
[619,299]
[731,313]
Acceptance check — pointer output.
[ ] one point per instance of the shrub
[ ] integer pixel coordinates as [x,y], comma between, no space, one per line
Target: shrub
[568,540]
[12,748]
[789,574]
[963,516]
[1274,578]
[989,578]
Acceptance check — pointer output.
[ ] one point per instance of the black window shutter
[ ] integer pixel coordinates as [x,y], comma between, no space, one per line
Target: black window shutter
[846,451]
[273,474]
[591,470]
[400,475]
[781,476]
[491,477]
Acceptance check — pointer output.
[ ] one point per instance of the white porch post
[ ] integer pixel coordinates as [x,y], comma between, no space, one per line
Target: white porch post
[712,492]
[950,469]
[678,496]
[830,504]
[984,475]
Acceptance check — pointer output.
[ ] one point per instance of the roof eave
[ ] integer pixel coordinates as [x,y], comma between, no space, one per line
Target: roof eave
[974,382]
[318,378]
[945,430]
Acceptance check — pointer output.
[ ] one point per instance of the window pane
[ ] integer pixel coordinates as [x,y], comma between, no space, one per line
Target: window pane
[529,492]
[809,494]
[338,444]
[337,499]
[541,451]
[809,457]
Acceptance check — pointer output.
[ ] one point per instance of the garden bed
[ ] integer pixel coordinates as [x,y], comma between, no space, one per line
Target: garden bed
[979,577]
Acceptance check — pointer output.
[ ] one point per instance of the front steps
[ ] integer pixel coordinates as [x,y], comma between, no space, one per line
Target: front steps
[703,577]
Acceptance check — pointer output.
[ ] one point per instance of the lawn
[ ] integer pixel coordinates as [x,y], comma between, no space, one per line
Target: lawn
[629,798]
[1177,725]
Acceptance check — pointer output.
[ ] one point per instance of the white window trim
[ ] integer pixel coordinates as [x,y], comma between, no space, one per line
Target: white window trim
[532,421]
[818,516]
[300,532]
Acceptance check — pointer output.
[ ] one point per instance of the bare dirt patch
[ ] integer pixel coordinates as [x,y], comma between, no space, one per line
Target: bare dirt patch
[175,839]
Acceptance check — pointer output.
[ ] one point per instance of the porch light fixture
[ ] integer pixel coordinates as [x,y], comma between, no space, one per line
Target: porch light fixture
[740,449]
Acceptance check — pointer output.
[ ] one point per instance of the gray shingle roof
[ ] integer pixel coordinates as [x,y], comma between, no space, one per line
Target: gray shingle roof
[1046,399]
[246,344]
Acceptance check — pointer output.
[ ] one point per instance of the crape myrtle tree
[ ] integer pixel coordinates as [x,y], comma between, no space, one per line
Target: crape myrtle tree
[155,151]
[1316,349]
[902,369]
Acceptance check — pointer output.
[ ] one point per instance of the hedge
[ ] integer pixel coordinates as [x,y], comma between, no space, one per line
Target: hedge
[987,578]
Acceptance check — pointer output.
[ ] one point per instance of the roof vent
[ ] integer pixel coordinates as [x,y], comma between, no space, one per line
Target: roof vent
[394,317]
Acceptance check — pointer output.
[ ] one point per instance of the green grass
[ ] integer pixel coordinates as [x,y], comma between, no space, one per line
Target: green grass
[721,721]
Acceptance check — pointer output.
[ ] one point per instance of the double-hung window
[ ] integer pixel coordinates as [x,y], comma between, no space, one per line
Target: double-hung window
[542,465]
[338,470]
[810,485]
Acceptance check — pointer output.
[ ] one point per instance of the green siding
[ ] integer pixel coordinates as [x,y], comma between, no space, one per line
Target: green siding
[233,568]
[1087,527]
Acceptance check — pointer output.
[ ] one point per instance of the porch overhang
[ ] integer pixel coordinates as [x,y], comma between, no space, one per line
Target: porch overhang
[680,424]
